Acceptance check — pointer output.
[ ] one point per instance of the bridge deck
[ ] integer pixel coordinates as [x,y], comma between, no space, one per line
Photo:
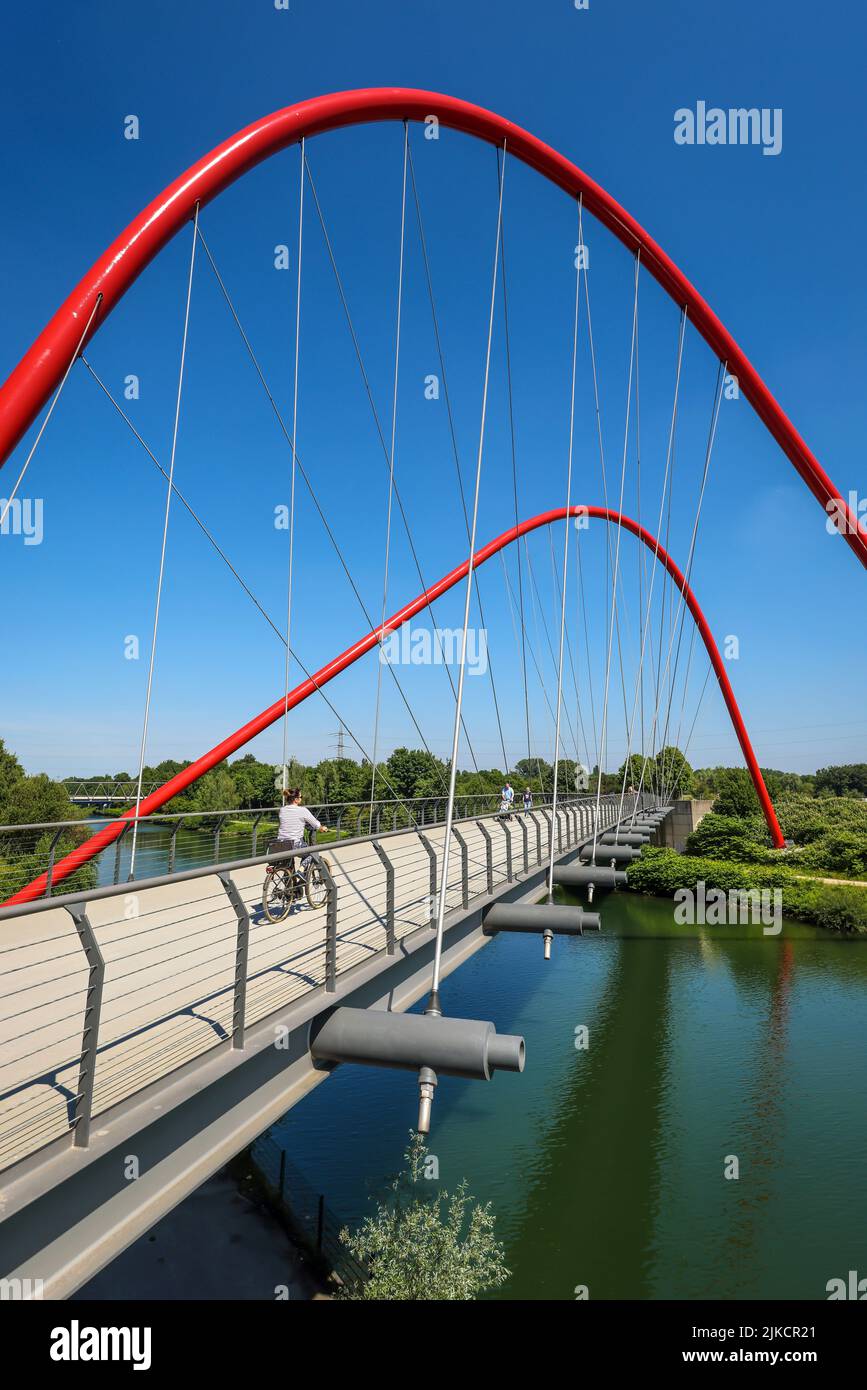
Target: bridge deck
[170,955]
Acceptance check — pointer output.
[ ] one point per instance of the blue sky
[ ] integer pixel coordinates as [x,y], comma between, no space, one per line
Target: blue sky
[774,244]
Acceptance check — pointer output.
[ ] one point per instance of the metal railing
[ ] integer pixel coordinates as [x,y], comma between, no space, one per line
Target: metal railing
[106,991]
[190,839]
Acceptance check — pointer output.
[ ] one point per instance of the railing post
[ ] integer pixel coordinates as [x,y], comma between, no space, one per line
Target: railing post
[508,834]
[173,845]
[255,840]
[489,854]
[549,822]
[465,868]
[390,941]
[90,1030]
[330,927]
[50,873]
[242,951]
[217,833]
[432,856]
[526,843]
[117,852]
[532,815]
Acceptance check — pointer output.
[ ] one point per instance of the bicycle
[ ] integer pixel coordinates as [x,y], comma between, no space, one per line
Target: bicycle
[287,882]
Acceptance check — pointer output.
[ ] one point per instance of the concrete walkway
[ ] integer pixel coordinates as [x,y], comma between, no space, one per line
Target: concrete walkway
[216,1245]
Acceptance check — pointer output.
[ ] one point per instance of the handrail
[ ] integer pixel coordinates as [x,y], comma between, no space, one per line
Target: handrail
[114,890]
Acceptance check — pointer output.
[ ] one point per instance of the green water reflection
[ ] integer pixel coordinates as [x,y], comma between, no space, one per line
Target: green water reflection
[606,1165]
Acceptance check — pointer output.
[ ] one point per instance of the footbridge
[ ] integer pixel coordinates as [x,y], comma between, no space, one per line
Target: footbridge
[151,1030]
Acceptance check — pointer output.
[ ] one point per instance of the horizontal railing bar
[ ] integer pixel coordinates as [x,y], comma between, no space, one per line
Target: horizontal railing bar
[243,812]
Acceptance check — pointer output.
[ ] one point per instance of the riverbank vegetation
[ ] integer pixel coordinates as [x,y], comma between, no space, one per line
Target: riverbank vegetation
[838,907]
[35,800]
[731,848]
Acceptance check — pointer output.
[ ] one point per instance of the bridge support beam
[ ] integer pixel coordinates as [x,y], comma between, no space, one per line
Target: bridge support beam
[463,1047]
[425,1043]
[609,854]
[545,919]
[590,876]
[635,839]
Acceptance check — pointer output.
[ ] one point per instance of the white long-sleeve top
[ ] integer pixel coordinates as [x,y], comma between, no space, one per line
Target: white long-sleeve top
[294,820]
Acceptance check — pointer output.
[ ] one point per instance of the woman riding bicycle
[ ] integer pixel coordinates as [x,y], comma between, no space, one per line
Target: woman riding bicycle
[294,820]
[286,880]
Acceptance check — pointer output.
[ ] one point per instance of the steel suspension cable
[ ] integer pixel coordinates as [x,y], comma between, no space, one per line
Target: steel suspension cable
[601,446]
[369,393]
[567,527]
[680,617]
[455,452]
[646,623]
[434,1005]
[616,567]
[162,564]
[18,481]
[308,675]
[669,457]
[691,555]
[579,719]
[390,470]
[291,563]
[514,456]
[583,604]
[312,492]
[510,595]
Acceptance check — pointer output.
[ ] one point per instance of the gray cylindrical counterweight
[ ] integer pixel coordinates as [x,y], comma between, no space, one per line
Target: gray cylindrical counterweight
[620,854]
[560,918]
[634,838]
[452,1046]
[581,876]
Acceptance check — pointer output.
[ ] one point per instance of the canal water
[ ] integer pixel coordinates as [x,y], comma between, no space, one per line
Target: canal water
[606,1166]
[193,849]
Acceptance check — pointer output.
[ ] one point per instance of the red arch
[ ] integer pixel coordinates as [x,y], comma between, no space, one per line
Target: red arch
[39,372]
[269,716]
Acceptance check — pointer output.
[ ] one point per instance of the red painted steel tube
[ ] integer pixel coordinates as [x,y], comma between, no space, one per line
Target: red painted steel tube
[269,716]
[39,372]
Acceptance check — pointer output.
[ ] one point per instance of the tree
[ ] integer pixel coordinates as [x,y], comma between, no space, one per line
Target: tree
[11,773]
[410,768]
[736,795]
[536,773]
[843,780]
[637,766]
[34,800]
[422,1244]
[254,782]
[672,773]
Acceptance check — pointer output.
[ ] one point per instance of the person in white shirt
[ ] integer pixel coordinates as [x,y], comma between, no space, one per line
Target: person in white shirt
[294,819]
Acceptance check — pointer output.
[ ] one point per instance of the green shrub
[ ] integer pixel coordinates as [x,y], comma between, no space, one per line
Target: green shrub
[840,851]
[662,872]
[729,837]
[423,1245]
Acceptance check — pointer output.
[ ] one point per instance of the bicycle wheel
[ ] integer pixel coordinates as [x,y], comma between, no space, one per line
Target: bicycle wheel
[315,886]
[278,895]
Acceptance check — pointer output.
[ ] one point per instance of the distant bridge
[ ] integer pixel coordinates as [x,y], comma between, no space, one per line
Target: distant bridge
[105,793]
